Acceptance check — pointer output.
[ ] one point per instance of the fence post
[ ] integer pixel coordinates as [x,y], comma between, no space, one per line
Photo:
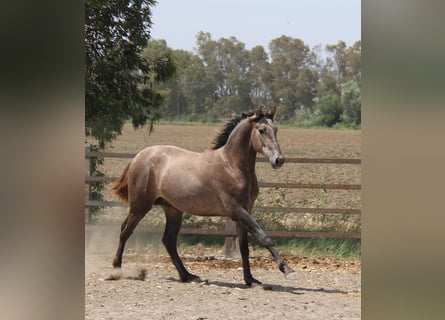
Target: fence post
[88,166]
[231,243]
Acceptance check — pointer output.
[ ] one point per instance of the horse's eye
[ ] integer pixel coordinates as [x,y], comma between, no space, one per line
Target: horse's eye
[261,131]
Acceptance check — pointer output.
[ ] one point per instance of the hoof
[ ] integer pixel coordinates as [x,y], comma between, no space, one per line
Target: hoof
[191,278]
[115,275]
[291,275]
[117,264]
[252,282]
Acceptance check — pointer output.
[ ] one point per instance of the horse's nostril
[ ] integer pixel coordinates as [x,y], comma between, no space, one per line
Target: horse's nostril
[279,161]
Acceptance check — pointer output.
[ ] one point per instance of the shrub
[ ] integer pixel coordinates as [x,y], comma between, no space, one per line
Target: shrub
[351,103]
[328,111]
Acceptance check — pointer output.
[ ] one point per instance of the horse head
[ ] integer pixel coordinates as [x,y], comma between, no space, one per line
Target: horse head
[264,136]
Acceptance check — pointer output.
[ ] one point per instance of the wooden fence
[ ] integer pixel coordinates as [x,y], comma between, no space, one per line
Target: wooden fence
[229,232]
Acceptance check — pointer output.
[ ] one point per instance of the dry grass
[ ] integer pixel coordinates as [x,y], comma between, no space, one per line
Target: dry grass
[313,143]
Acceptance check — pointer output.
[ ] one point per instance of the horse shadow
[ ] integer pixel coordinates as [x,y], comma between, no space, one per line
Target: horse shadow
[265,286]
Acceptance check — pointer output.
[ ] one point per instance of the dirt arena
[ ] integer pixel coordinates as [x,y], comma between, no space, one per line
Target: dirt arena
[325,288]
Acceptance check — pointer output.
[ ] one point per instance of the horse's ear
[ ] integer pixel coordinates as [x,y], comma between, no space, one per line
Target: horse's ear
[271,113]
[258,113]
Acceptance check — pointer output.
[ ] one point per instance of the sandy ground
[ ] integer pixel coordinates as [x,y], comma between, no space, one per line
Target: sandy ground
[325,288]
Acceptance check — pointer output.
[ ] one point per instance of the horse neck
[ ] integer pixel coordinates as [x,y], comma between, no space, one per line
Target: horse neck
[239,150]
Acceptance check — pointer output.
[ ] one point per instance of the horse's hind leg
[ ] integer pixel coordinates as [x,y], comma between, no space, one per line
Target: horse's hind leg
[170,238]
[127,228]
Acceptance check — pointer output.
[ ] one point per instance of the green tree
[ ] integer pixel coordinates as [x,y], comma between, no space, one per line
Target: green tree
[176,103]
[347,61]
[351,102]
[116,31]
[158,53]
[339,57]
[326,72]
[354,62]
[227,63]
[260,76]
[293,77]
[193,88]
[328,111]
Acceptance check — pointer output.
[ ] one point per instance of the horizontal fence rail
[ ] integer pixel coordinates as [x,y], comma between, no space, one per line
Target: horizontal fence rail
[232,233]
[94,203]
[93,154]
[285,185]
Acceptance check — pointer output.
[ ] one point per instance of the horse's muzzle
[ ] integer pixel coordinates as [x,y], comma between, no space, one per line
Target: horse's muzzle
[279,161]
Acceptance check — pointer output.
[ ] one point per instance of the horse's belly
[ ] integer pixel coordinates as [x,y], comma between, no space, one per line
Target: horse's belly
[197,201]
[186,181]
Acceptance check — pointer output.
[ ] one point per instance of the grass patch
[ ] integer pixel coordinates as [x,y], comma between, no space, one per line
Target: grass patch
[348,249]
[337,248]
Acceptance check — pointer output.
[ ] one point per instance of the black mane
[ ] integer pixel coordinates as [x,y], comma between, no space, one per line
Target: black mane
[223,135]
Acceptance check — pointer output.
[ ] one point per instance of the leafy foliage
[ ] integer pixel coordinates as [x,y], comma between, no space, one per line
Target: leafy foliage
[96,188]
[346,60]
[328,111]
[294,78]
[351,102]
[116,31]
[224,78]
[118,79]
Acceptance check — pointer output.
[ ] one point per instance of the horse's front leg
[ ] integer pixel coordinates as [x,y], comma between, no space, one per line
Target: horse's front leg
[241,216]
[244,250]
